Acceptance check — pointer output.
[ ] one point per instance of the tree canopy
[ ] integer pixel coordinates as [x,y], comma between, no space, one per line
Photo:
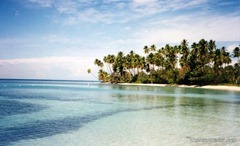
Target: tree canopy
[200,63]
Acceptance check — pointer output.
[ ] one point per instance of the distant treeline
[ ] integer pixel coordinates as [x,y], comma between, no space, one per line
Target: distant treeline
[201,63]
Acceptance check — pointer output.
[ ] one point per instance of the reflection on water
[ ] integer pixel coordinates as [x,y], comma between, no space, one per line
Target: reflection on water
[78,114]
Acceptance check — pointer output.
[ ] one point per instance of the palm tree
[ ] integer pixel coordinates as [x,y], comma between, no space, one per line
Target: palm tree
[236,53]
[211,46]
[184,51]
[146,49]
[112,59]
[103,76]
[109,60]
[139,63]
[200,63]
[153,48]
[119,63]
[106,60]
[151,60]
[203,56]
[99,63]
[217,60]
[129,62]
[159,59]
[192,61]
[90,72]
[171,56]
[237,72]
[225,56]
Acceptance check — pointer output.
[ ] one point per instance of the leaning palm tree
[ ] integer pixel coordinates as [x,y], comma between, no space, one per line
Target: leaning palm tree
[109,60]
[90,72]
[99,63]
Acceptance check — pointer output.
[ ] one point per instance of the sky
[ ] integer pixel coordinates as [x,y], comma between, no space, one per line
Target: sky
[60,39]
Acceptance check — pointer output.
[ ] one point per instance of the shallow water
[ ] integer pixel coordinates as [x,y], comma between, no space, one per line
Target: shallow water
[86,113]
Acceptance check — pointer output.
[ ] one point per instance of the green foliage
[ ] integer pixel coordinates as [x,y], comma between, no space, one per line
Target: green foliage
[103,76]
[200,63]
[125,77]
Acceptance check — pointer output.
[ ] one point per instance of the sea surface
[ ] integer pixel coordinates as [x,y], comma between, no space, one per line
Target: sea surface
[86,113]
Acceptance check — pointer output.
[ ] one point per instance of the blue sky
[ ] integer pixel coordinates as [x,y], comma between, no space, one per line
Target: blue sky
[59,39]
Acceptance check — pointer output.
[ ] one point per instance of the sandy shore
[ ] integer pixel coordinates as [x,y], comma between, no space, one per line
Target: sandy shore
[215,87]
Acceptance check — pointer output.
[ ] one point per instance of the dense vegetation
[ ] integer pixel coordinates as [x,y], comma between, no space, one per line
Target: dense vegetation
[199,64]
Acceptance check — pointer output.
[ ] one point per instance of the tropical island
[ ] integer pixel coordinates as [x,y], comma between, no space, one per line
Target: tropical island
[200,64]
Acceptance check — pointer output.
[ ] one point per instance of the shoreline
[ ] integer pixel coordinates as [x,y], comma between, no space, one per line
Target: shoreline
[214,87]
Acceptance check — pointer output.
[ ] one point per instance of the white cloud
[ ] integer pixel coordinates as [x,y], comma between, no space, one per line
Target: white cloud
[144,1]
[105,10]
[69,7]
[182,4]
[173,30]
[56,39]
[43,3]
[183,27]
[47,67]
[150,7]
[38,60]
[93,15]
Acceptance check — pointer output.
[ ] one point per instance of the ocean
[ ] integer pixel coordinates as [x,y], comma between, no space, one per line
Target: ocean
[87,113]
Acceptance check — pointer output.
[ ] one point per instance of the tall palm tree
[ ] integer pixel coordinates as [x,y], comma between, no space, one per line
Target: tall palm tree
[217,60]
[109,60]
[151,60]
[159,59]
[106,60]
[192,61]
[119,63]
[184,51]
[203,56]
[171,56]
[130,62]
[225,56]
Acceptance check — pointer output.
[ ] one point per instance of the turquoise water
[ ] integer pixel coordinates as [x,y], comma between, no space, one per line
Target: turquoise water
[35,112]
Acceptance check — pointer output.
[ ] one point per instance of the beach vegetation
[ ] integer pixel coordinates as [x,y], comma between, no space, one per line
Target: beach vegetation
[200,63]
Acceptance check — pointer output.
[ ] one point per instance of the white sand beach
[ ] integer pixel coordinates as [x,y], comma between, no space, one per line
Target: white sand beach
[215,87]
